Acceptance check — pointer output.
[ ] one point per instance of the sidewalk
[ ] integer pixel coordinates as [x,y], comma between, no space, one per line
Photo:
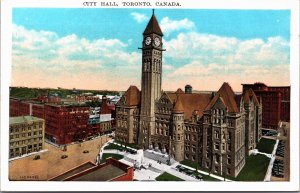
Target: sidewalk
[272,156]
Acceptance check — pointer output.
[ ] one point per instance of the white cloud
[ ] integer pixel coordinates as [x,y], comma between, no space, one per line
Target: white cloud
[46,56]
[203,60]
[168,26]
[139,17]
[211,59]
[207,49]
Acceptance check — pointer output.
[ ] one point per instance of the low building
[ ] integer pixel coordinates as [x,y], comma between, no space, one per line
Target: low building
[26,135]
[111,170]
[107,116]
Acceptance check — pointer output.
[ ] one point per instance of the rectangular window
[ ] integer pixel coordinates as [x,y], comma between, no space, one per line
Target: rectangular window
[217,146]
[217,158]
[217,134]
[229,146]
[228,171]
[228,159]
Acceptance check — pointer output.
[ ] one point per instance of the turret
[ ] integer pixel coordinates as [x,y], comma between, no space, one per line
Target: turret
[178,130]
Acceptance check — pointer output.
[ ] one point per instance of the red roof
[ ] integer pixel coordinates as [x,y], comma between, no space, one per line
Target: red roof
[190,102]
[132,96]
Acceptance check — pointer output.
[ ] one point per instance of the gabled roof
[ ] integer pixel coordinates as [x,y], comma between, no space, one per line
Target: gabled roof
[228,97]
[249,94]
[132,96]
[153,27]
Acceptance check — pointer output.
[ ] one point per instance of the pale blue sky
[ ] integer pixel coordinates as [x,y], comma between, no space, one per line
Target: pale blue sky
[199,43]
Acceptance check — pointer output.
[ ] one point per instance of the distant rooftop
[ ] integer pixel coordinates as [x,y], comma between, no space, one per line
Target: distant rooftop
[23,119]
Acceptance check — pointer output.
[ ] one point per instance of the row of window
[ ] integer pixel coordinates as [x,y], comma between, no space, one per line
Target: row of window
[187,148]
[23,142]
[16,136]
[26,128]
[189,128]
[188,137]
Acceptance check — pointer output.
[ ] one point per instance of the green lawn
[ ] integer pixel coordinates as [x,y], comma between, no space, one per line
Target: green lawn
[167,177]
[107,155]
[114,146]
[190,163]
[266,145]
[255,168]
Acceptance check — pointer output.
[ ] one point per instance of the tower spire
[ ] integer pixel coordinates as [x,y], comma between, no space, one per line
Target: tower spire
[153,26]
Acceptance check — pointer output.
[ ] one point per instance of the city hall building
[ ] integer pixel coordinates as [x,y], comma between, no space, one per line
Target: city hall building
[214,129]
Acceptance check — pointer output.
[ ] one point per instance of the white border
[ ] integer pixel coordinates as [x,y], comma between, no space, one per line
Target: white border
[6,38]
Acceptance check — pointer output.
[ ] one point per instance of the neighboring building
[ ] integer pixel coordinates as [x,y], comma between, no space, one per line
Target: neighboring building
[275,101]
[26,135]
[68,123]
[111,170]
[19,107]
[208,128]
[107,116]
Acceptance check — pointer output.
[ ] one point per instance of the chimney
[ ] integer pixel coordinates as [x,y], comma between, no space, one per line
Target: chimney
[188,89]
[104,99]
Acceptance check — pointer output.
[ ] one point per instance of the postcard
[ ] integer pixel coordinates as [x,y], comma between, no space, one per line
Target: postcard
[155,95]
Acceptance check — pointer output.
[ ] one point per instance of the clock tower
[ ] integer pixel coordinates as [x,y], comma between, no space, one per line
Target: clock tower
[151,80]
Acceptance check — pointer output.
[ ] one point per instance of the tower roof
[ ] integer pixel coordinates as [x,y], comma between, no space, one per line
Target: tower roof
[178,108]
[153,26]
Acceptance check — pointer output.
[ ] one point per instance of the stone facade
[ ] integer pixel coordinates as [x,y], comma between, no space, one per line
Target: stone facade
[214,129]
[26,135]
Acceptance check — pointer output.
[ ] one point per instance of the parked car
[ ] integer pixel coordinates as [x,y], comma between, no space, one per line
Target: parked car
[199,177]
[37,157]
[86,151]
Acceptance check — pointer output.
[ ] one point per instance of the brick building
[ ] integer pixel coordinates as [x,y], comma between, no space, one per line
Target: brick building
[275,101]
[66,123]
[26,135]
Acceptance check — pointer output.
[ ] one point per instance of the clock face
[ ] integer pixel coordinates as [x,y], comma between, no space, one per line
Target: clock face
[148,41]
[157,41]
